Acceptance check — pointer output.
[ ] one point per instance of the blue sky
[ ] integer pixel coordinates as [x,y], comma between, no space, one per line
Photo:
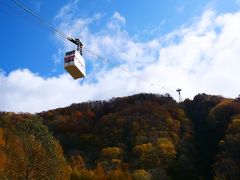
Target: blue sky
[154,46]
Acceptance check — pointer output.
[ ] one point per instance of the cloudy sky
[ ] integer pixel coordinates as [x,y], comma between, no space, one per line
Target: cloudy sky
[151,46]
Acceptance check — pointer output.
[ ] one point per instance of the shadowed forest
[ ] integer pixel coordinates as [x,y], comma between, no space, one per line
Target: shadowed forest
[139,137]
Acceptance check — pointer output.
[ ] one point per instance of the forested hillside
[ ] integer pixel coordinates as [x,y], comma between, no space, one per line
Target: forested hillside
[144,136]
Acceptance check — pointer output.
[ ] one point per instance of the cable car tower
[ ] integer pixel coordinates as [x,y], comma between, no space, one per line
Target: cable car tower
[179,95]
[73,60]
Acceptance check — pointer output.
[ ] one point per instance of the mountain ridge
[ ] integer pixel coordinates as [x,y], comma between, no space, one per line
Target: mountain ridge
[149,135]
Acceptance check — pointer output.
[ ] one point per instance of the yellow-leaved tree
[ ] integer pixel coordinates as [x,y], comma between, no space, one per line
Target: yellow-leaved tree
[30,151]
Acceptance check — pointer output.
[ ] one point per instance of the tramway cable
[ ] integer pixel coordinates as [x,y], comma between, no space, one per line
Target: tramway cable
[39,18]
[73,60]
[63,35]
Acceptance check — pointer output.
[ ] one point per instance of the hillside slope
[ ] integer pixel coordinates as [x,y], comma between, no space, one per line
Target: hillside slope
[146,136]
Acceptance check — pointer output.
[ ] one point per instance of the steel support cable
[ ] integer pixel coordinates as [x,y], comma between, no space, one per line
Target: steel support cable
[39,18]
[122,69]
[42,20]
[105,59]
[13,11]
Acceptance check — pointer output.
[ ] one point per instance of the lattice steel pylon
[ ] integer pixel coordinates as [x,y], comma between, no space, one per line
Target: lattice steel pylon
[179,95]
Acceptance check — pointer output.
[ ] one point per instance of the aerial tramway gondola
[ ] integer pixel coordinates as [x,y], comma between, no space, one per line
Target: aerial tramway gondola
[74,62]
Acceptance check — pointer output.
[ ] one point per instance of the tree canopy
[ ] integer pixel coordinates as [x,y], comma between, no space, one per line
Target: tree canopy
[144,136]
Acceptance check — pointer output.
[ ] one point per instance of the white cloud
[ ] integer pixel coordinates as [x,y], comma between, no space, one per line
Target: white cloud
[118,17]
[209,52]
[22,90]
[67,10]
[201,57]
[116,21]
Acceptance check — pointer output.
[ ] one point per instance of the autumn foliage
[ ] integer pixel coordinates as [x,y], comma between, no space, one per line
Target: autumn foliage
[140,137]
